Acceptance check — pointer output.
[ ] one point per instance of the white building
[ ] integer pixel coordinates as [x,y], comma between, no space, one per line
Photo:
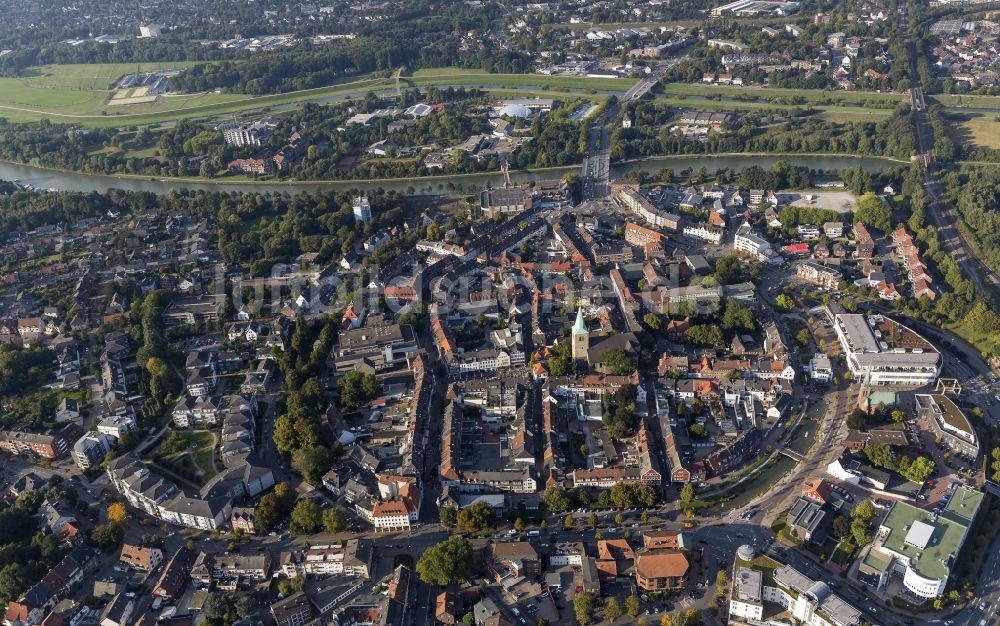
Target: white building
[90,449]
[704,232]
[880,351]
[749,242]
[807,602]
[820,368]
[362,209]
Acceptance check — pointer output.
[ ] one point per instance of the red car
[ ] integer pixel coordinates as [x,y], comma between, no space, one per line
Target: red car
[930,483]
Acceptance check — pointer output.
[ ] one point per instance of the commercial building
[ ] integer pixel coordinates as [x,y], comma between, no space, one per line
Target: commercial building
[661,570]
[505,201]
[880,351]
[353,559]
[762,588]
[948,423]
[920,545]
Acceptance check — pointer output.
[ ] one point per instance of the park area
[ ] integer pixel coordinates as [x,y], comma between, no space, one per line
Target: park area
[977,130]
[186,455]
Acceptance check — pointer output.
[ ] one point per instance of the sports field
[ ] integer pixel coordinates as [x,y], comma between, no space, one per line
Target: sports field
[458,77]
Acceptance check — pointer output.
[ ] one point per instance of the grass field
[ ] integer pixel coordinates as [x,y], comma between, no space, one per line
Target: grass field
[457,77]
[978,130]
[756,93]
[975,102]
[829,112]
[80,93]
[194,461]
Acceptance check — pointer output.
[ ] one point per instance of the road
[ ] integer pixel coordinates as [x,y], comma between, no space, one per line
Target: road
[941,214]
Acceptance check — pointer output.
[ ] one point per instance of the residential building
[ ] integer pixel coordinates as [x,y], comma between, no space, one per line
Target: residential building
[295,610]
[661,570]
[948,423]
[353,559]
[818,274]
[90,449]
[141,557]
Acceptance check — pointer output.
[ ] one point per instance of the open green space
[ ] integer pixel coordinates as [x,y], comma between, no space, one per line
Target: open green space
[972,102]
[756,93]
[189,454]
[828,112]
[978,130]
[443,77]
[81,93]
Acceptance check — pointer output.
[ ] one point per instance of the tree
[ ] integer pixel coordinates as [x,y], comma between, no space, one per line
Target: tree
[475,518]
[447,563]
[273,506]
[841,526]
[644,517]
[698,431]
[569,523]
[556,500]
[619,520]
[312,462]
[117,512]
[583,607]
[864,511]
[617,362]
[519,525]
[632,495]
[653,321]
[632,606]
[357,388]
[784,302]
[898,416]
[857,419]
[612,610]
[687,493]
[721,583]
[448,516]
[873,212]
[919,469]
[334,520]
[307,518]
[107,535]
[691,618]
[667,620]
[592,520]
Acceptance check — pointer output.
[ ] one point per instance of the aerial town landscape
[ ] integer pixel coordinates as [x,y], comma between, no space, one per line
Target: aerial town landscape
[500,313]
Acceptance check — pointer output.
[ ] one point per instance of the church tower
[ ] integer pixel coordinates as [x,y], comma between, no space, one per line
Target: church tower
[581,339]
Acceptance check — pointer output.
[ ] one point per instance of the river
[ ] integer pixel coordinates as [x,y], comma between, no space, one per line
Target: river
[77,181]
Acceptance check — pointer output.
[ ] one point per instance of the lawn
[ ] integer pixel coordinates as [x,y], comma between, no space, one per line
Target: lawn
[444,77]
[755,93]
[979,130]
[79,93]
[829,112]
[975,102]
[188,454]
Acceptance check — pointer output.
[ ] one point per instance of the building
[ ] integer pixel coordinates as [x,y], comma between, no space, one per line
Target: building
[505,201]
[353,559]
[920,545]
[581,339]
[118,611]
[47,446]
[295,610]
[948,423]
[820,368]
[749,242]
[362,209]
[762,587]
[818,274]
[141,557]
[880,351]
[243,135]
[808,520]
[660,569]
[90,449]
[175,575]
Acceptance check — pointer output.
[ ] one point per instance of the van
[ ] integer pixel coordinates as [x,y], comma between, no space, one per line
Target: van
[516,612]
[534,533]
